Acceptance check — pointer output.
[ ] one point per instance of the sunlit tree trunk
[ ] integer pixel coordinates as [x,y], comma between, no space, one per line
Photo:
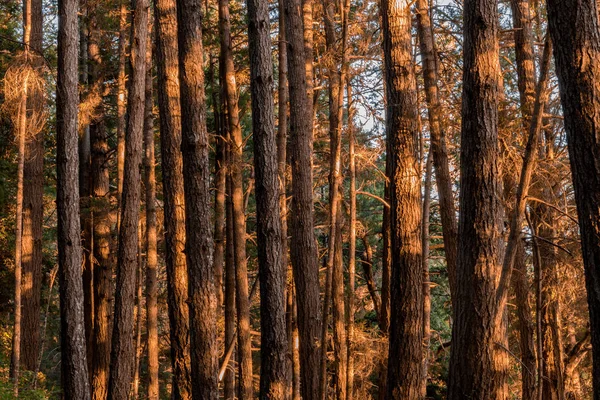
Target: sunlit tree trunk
[477,363]
[151,235]
[239,217]
[196,174]
[303,250]
[167,83]
[123,350]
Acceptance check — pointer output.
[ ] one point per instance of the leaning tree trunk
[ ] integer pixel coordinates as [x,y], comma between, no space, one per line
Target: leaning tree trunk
[74,371]
[123,351]
[303,248]
[33,201]
[476,332]
[196,175]
[438,140]
[165,20]
[406,317]
[272,271]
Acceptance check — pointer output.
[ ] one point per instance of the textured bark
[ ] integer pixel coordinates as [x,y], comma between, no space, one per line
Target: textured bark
[123,351]
[229,379]
[220,183]
[15,361]
[477,362]
[438,141]
[167,70]
[426,278]
[303,250]
[138,315]
[272,270]
[121,99]
[575,31]
[74,372]
[525,58]
[33,202]
[351,244]
[151,235]
[524,324]
[406,317]
[386,258]
[552,351]
[196,174]
[338,313]
[84,196]
[100,208]
[239,217]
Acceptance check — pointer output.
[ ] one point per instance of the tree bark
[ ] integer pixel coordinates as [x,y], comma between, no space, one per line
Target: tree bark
[575,32]
[303,248]
[100,208]
[123,351]
[352,243]
[426,277]
[151,235]
[121,100]
[229,379]
[33,201]
[239,218]
[438,141]
[272,270]
[165,20]
[406,317]
[196,175]
[477,334]
[74,372]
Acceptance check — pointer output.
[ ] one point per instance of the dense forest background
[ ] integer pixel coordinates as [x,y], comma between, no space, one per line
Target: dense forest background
[417,229]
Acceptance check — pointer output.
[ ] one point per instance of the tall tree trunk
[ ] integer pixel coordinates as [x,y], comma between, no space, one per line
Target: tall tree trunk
[123,351]
[525,57]
[121,100]
[272,270]
[338,313]
[74,372]
[477,333]
[15,363]
[438,140]
[229,380]
[151,236]
[139,285]
[100,208]
[84,194]
[239,217]
[165,20]
[196,175]
[575,31]
[524,324]
[406,322]
[33,201]
[351,244]
[303,248]
[426,277]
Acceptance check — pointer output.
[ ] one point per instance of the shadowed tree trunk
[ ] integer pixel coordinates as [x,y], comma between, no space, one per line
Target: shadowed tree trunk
[196,174]
[229,379]
[406,317]
[477,335]
[123,350]
[165,20]
[74,372]
[100,208]
[575,32]
[303,250]
[121,99]
[33,201]
[272,270]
